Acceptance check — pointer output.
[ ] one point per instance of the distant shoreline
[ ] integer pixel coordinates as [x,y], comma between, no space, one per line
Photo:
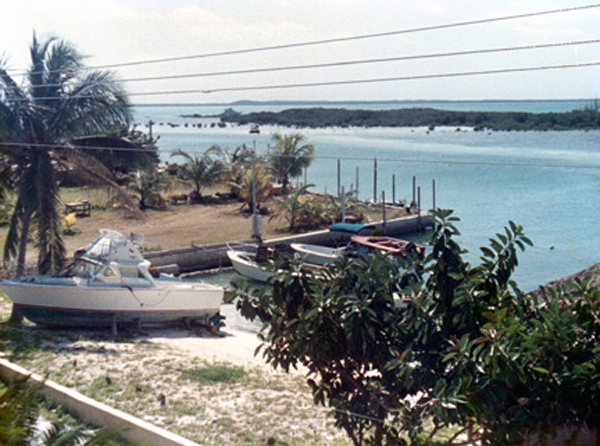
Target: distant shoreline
[350,102]
[322,117]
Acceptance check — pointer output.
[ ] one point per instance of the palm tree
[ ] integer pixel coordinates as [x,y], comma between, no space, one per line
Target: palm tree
[147,186]
[290,157]
[201,171]
[57,101]
[241,186]
[301,210]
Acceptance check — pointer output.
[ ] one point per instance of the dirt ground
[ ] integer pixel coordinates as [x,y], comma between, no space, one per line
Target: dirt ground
[183,225]
[175,227]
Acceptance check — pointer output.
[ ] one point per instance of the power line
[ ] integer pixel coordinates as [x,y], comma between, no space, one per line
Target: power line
[346,39]
[393,160]
[333,83]
[351,62]
[368,81]
[353,38]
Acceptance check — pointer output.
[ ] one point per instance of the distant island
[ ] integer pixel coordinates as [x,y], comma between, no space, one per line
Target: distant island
[584,119]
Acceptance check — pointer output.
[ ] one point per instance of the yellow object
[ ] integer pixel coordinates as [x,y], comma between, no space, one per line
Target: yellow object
[70,220]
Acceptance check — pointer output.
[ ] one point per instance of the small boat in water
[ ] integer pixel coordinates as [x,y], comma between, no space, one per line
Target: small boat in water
[389,245]
[110,282]
[317,254]
[246,264]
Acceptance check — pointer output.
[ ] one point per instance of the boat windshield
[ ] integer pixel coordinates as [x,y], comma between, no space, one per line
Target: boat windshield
[83,268]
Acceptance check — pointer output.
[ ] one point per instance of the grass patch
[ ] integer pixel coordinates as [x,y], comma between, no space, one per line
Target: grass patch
[216,373]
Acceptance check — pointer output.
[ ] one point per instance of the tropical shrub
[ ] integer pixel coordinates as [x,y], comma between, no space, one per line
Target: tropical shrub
[242,185]
[201,171]
[146,187]
[301,210]
[289,158]
[19,416]
[403,351]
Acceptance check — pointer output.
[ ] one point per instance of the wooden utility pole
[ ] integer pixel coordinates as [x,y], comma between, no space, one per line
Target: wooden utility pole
[339,172]
[375,180]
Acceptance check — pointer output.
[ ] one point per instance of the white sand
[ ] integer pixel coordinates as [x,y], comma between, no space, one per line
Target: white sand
[236,343]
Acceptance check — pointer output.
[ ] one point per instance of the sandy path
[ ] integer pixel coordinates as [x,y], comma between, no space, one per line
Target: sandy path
[236,345]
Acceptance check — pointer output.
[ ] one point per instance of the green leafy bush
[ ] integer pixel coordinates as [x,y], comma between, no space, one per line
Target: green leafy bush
[403,350]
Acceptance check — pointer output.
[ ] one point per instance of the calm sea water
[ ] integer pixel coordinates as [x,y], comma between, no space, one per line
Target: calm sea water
[549,182]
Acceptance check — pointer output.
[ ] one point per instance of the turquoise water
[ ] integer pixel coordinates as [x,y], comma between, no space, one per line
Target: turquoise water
[549,182]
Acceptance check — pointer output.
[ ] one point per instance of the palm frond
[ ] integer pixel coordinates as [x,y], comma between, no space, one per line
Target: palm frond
[18,412]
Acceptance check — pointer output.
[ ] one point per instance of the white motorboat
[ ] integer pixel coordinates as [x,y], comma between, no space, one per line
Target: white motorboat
[317,254]
[110,282]
[245,264]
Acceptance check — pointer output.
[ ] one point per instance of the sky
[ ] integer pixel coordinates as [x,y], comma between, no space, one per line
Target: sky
[112,32]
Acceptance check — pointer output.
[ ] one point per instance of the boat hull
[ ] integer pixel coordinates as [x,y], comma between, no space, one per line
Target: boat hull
[389,245]
[71,305]
[244,265]
[316,254]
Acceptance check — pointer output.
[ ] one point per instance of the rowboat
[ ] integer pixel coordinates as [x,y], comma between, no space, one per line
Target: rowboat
[110,282]
[245,264]
[317,254]
[389,245]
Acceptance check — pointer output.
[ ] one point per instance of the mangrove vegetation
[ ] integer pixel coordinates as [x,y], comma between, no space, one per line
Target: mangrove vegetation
[587,118]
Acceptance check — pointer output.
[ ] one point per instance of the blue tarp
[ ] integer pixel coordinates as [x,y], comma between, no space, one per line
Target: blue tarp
[350,228]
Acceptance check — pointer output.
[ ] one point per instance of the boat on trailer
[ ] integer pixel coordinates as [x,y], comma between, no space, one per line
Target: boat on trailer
[110,282]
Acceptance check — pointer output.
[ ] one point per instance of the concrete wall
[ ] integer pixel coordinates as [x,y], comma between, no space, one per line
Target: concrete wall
[197,258]
[136,431]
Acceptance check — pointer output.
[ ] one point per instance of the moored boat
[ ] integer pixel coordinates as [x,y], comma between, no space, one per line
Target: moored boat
[317,254]
[245,264]
[110,282]
[389,245]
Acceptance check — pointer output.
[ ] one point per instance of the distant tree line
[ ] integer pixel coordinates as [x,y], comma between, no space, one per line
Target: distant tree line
[583,119]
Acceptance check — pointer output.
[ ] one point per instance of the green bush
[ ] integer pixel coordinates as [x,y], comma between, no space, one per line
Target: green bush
[403,350]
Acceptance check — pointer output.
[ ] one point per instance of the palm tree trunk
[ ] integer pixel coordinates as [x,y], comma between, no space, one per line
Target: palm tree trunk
[15,316]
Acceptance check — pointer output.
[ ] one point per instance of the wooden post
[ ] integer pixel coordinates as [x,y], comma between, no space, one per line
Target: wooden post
[343,205]
[113,324]
[419,207]
[357,182]
[433,186]
[383,207]
[414,190]
[375,180]
[338,176]
[305,175]
[393,190]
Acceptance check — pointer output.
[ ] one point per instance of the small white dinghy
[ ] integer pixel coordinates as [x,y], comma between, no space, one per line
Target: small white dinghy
[246,265]
[317,254]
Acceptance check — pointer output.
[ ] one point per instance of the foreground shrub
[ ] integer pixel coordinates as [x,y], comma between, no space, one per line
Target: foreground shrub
[403,350]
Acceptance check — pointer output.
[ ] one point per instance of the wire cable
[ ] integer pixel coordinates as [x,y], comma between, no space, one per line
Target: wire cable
[394,160]
[345,39]
[353,38]
[329,83]
[351,62]
[368,81]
